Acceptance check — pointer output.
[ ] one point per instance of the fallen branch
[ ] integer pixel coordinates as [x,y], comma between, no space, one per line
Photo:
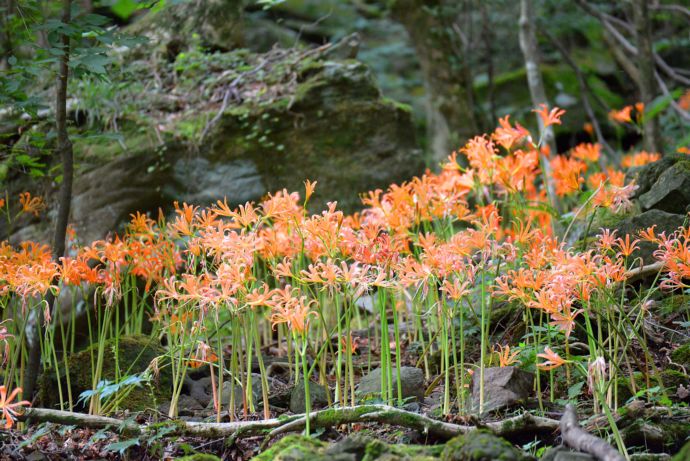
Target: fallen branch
[318,419]
[644,271]
[68,418]
[579,439]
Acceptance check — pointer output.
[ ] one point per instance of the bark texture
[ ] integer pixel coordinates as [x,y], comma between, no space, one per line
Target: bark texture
[432,27]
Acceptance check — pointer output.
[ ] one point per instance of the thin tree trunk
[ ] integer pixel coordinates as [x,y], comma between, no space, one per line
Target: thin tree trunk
[530,52]
[450,115]
[646,68]
[7,49]
[64,149]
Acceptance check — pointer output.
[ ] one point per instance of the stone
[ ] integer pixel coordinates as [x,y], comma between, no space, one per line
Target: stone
[480,446]
[411,378]
[217,23]
[318,397]
[503,387]
[665,222]
[186,406]
[202,391]
[331,125]
[646,176]
[671,191]
[135,353]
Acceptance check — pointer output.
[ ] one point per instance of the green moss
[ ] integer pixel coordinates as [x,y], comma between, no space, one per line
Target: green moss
[199,457]
[480,446]
[681,355]
[292,447]
[671,379]
[134,354]
[398,105]
[684,453]
[683,165]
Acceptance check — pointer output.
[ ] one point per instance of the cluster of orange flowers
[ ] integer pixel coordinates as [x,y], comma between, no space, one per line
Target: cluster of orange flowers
[205,259]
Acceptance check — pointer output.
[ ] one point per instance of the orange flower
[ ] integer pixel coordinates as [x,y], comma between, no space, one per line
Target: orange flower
[588,128]
[626,247]
[309,189]
[505,357]
[9,409]
[639,159]
[567,174]
[684,101]
[553,360]
[552,117]
[587,152]
[292,310]
[31,204]
[621,116]
[506,135]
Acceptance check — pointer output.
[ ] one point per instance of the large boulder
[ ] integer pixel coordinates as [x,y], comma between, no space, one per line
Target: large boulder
[481,446]
[411,379]
[632,225]
[671,191]
[285,119]
[129,355]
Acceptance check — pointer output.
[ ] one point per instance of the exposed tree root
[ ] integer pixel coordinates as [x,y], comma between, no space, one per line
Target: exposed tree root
[576,437]
[318,419]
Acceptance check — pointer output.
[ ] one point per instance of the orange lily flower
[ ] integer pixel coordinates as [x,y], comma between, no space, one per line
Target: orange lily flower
[552,117]
[553,360]
[9,409]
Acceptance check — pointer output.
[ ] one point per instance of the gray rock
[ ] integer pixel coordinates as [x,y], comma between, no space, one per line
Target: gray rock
[481,446]
[334,127]
[645,176]
[202,391]
[665,222]
[186,406]
[503,387]
[318,395]
[411,378]
[671,191]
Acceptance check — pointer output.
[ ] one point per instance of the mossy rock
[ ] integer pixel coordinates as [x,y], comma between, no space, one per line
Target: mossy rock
[664,435]
[481,446]
[671,379]
[681,355]
[134,354]
[294,448]
[632,225]
[199,457]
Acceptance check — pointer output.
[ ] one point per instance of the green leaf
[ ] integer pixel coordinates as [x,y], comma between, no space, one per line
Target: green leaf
[124,8]
[122,446]
[575,390]
[661,103]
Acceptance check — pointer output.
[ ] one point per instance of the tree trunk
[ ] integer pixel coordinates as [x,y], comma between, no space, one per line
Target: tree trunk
[530,52]
[6,46]
[450,113]
[64,149]
[646,68]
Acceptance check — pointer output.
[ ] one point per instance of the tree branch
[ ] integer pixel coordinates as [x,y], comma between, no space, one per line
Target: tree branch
[318,419]
[577,438]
